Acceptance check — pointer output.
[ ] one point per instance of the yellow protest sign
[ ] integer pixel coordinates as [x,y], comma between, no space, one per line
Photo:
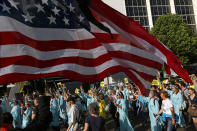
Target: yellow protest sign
[126,80]
[90,92]
[155,82]
[165,82]
[192,86]
[21,86]
[76,91]
[102,84]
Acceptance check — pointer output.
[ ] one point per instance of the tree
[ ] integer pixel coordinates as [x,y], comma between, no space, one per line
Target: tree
[177,36]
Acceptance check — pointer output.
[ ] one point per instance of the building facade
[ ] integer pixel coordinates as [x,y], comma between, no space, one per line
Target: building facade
[147,11]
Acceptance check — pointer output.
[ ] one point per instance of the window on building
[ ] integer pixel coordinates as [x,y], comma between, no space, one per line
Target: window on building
[159,2]
[159,7]
[137,10]
[184,8]
[183,2]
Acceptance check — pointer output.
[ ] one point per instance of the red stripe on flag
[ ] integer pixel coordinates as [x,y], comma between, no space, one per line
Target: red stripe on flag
[117,38]
[15,77]
[33,62]
[136,59]
[9,38]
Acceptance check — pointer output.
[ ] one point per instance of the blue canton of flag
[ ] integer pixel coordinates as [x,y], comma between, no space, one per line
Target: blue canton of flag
[45,13]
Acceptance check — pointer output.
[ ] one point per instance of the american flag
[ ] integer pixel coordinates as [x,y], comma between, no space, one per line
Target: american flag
[139,37]
[44,38]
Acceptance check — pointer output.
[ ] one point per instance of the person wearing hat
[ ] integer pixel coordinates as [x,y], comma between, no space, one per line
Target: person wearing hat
[26,115]
[177,102]
[16,114]
[73,114]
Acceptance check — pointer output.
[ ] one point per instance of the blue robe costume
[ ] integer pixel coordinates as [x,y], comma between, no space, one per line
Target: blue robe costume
[3,106]
[153,107]
[177,102]
[106,98]
[126,96]
[83,105]
[27,118]
[125,124]
[89,100]
[117,91]
[79,105]
[62,108]
[16,114]
[54,111]
[125,93]
[141,112]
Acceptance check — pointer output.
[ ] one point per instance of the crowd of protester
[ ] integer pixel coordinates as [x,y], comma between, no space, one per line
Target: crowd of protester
[169,105]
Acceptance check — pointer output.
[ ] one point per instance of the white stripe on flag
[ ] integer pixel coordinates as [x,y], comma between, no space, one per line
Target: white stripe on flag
[138,67]
[21,49]
[70,67]
[132,50]
[43,34]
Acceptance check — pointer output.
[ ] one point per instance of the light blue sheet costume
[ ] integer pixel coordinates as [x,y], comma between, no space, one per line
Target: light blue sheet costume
[141,104]
[117,101]
[27,118]
[126,97]
[62,108]
[79,105]
[54,111]
[3,106]
[108,92]
[153,107]
[89,100]
[125,124]
[177,102]
[16,114]
[117,91]
[83,105]
[125,93]
[106,98]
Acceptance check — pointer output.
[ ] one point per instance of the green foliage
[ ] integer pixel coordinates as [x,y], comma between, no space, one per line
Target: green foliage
[177,36]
